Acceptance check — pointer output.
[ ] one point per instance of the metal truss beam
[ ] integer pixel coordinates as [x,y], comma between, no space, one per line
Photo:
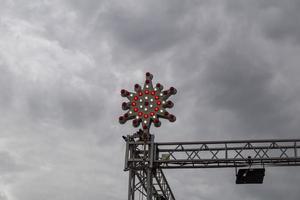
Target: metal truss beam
[228,154]
[146,159]
[221,154]
[146,182]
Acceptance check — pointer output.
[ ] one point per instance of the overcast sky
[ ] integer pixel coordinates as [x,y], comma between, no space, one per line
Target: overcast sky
[235,65]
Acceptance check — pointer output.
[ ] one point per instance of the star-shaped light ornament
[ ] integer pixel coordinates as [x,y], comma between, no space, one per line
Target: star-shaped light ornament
[146,105]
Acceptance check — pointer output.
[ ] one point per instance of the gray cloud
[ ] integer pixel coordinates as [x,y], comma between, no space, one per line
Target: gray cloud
[6,87]
[148,30]
[8,163]
[277,20]
[241,82]
[62,64]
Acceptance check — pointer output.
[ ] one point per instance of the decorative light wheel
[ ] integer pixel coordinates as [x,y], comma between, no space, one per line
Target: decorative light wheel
[146,105]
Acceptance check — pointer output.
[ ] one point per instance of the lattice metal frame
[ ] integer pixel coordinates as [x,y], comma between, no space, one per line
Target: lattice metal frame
[219,154]
[145,159]
[215,154]
[146,181]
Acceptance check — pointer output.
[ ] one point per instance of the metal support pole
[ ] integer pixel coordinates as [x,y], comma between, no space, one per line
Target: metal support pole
[126,152]
[149,184]
[295,150]
[150,169]
[131,185]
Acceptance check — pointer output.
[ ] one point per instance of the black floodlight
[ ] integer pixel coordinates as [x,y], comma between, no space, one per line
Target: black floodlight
[250,176]
[160,197]
[146,105]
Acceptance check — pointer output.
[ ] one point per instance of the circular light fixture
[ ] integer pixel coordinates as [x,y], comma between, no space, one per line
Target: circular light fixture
[151,100]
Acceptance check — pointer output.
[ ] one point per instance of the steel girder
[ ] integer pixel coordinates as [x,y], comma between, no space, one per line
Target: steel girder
[145,180]
[220,154]
[142,156]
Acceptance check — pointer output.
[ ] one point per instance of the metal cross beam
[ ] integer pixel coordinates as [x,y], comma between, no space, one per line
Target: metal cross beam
[228,154]
[221,154]
[146,159]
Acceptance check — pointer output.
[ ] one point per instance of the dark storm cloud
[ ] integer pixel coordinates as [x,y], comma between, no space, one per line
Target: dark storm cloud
[10,170]
[62,64]
[278,20]
[86,8]
[70,105]
[6,86]
[150,27]
[241,78]
[8,163]
[241,82]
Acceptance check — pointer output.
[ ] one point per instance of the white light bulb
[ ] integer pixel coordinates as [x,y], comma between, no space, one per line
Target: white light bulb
[141,106]
[146,97]
[151,105]
[161,111]
[161,94]
[147,86]
[130,112]
[141,100]
[145,109]
[131,95]
[151,100]
[137,117]
[145,122]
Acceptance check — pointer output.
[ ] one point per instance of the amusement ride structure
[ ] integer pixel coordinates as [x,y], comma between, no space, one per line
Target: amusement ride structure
[146,159]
